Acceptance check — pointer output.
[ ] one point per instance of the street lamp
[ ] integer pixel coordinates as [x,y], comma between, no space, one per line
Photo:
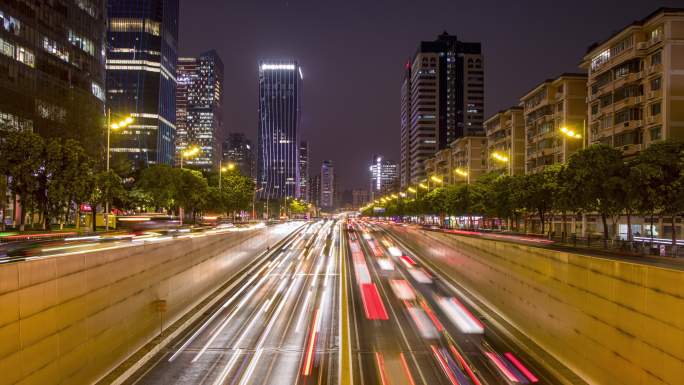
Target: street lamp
[436,179]
[423,186]
[254,201]
[570,133]
[503,158]
[223,169]
[187,153]
[112,126]
[464,174]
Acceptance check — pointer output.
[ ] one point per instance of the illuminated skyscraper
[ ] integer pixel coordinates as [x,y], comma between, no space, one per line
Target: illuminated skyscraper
[198,108]
[278,168]
[141,78]
[327,185]
[304,170]
[384,176]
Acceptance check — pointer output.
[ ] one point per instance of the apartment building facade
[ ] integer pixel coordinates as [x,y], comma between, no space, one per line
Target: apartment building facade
[551,109]
[635,86]
[506,141]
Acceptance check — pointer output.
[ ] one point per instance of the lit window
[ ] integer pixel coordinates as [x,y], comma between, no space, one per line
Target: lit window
[25,56]
[657,35]
[600,59]
[98,91]
[10,24]
[6,48]
[85,44]
[52,47]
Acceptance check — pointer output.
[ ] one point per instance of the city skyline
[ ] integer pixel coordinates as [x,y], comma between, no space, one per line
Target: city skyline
[512,69]
[402,193]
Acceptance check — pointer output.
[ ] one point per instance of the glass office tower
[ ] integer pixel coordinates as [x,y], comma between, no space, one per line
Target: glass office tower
[280,84]
[199,119]
[141,78]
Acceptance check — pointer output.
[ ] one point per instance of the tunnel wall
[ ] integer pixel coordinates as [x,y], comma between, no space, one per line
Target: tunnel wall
[611,322]
[70,319]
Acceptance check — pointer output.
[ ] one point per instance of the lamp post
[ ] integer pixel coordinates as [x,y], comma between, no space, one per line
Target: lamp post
[437,179]
[464,174]
[231,166]
[503,159]
[187,153]
[110,126]
[569,133]
[254,201]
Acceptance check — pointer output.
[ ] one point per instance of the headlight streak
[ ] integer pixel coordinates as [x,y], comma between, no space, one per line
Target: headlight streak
[225,305]
[263,278]
[229,366]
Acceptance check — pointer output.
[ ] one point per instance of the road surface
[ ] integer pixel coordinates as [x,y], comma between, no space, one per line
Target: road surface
[277,326]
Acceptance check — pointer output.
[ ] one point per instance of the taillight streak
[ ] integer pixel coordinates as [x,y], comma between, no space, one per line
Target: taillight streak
[308,358]
[521,367]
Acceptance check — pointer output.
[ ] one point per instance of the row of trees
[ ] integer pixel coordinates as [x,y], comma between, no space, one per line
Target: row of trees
[54,177]
[596,180]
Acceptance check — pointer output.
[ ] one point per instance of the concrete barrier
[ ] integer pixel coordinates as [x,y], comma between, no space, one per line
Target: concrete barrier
[72,318]
[612,322]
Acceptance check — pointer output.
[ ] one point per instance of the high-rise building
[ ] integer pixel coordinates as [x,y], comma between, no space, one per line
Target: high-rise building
[237,149]
[280,85]
[384,176]
[442,100]
[304,170]
[405,121]
[52,69]
[199,119]
[315,190]
[142,42]
[506,141]
[359,198]
[551,106]
[635,86]
[327,185]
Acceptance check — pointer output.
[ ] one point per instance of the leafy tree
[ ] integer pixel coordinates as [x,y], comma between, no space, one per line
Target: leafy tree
[596,176]
[191,190]
[109,188]
[22,157]
[160,183]
[3,200]
[659,168]
[537,193]
[239,191]
[499,198]
[297,207]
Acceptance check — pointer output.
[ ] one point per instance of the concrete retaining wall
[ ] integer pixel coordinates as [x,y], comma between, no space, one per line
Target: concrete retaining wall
[72,318]
[613,323]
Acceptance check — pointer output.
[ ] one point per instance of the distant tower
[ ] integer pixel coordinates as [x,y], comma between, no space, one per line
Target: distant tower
[237,149]
[280,84]
[327,185]
[304,171]
[384,176]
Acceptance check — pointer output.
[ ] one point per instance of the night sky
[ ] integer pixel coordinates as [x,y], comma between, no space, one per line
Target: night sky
[352,53]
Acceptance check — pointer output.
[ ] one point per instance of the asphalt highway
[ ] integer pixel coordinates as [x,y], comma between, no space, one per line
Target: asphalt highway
[422,331]
[277,326]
